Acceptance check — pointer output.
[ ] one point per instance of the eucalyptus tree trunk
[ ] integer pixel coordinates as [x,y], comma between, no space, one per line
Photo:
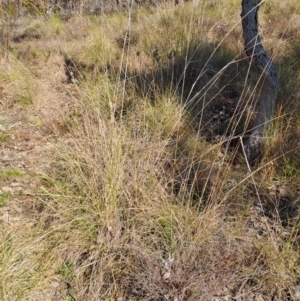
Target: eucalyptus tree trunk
[268,75]
[20,8]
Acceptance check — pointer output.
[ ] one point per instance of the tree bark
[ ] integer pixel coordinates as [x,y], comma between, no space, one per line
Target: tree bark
[268,75]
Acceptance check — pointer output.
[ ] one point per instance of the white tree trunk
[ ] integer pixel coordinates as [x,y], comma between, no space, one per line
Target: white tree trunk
[267,70]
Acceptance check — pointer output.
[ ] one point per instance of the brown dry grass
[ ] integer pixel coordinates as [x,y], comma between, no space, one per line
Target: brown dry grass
[118,181]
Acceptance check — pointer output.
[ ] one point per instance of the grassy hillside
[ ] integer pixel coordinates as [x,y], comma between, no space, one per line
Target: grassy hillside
[122,168]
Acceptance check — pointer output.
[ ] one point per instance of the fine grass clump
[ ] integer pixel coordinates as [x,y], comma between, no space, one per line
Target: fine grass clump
[98,53]
[282,145]
[12,173]
[146,194]
[4,136]
[22,262]
[55,23]
[19,82]
[4,198]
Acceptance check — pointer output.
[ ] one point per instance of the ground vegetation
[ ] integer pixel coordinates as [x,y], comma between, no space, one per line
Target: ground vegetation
[123,172]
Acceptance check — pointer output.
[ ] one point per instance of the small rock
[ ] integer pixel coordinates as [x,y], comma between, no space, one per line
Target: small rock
[27,192]
[169,263]
[16,184]
[166,275]
[7,189]
[55,283]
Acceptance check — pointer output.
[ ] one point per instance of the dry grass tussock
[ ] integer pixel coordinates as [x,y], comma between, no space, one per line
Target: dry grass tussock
[123,175]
